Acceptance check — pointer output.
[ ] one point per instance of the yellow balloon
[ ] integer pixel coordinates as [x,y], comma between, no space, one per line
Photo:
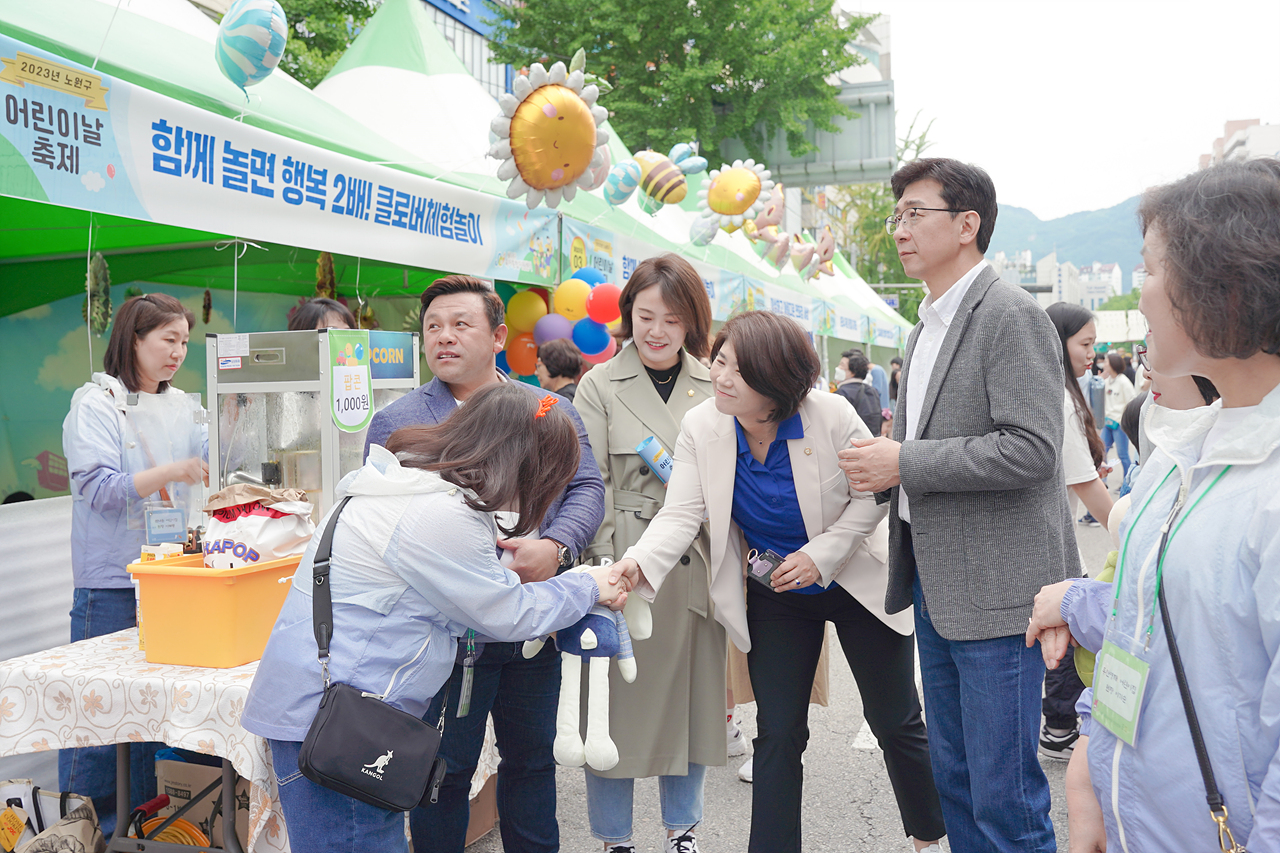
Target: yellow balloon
[553,137]
[734,191]
[524,310]
[571,298]
[615,324]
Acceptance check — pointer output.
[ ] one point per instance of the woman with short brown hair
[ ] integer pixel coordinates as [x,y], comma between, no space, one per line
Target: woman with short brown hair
[760,459]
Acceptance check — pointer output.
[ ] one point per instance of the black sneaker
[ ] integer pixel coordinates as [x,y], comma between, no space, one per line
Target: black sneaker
[1058,746]
[1090,521]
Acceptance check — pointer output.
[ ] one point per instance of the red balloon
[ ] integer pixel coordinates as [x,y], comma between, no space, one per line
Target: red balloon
[602,303]
[522,354]
[604,355]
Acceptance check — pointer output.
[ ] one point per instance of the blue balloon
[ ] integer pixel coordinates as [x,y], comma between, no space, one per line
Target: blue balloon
[591,337]
[251,40]
[591,276]
[359,352]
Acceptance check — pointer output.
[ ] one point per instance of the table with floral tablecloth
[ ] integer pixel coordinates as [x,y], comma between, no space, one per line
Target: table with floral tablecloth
[104,691]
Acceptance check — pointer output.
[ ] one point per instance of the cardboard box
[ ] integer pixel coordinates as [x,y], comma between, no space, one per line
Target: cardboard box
[484,811]
[182,781]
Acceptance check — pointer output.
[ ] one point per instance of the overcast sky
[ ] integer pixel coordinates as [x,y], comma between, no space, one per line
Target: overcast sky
[1074,104]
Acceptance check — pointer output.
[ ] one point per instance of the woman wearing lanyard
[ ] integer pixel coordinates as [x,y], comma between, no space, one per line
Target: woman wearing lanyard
[760,458]
[119,458]
[1200,548]
[669,722]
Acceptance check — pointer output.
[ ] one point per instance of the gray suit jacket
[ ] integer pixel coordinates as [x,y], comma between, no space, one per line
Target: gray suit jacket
[990,521]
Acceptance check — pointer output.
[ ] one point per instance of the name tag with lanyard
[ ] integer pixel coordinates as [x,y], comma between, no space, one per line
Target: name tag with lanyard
[1123,664]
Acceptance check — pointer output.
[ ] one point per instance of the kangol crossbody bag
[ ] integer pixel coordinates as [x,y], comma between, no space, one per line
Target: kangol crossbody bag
[359,745]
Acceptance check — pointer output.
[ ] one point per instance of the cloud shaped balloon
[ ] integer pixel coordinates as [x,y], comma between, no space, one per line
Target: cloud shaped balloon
[251,40]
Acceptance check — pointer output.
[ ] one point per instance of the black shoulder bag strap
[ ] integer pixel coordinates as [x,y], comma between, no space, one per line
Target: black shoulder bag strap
[1217,807]
[321,598]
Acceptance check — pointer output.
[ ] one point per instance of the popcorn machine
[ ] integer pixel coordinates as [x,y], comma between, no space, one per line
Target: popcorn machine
[291,409]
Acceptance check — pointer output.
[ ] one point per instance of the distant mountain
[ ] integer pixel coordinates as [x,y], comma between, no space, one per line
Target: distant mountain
[1109,236]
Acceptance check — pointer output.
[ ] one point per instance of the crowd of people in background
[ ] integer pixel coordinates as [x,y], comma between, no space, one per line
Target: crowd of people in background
[925,507]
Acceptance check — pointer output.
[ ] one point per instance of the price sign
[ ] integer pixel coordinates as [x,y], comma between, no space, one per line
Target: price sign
[351,381]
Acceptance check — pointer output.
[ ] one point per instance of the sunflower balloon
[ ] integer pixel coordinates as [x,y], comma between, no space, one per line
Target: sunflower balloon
[548,135]
[733,194]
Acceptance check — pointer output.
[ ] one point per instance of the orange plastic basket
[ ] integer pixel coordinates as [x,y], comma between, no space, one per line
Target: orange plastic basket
[196,616]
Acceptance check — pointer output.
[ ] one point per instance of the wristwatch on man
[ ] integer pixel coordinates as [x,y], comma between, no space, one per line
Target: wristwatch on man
[564,555]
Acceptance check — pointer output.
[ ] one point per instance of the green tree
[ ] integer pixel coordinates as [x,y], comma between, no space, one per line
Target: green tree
[708,70]
[1123,302]
[320,31]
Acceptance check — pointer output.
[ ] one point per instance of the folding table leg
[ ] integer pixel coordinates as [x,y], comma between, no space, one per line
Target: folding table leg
[122,790]
[230,841]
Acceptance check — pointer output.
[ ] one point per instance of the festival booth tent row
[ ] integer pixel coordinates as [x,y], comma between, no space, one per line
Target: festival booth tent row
[113,189]
[171,228]
[400,76]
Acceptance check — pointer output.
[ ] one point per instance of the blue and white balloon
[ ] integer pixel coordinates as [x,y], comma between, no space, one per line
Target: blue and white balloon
[622,182]
[251,40]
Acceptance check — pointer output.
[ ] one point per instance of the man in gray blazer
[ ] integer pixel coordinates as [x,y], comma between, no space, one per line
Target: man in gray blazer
[979,519]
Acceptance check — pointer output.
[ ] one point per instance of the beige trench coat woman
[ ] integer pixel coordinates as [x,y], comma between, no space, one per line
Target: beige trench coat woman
[673,713]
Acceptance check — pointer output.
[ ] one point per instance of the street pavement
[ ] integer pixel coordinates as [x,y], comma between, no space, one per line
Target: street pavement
[848,802]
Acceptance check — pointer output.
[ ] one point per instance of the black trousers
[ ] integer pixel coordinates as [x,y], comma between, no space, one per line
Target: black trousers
[786,640]
[1062,687]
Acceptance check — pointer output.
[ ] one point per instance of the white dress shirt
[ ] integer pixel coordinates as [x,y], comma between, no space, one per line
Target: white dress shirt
[937,316]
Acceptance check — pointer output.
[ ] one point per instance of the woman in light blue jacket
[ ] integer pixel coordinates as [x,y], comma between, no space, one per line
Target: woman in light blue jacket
[414,564]
[1200,545]
[129,437]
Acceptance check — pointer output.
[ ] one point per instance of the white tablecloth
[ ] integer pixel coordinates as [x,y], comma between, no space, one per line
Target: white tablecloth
[103,691]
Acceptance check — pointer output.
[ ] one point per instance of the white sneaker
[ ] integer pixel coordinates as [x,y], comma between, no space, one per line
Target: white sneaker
[746,772]
[682,843]
[737,741]
[932,848]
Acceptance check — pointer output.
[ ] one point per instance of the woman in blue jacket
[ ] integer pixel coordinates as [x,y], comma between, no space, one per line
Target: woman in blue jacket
[414,564]
[1200,545]
[122,453]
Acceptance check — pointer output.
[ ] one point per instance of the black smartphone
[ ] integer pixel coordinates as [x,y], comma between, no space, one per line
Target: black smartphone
[760,565]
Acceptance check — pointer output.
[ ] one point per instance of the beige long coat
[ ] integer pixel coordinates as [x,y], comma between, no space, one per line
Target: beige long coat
[673,713]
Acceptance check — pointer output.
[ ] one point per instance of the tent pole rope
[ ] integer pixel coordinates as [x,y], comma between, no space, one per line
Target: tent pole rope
[98,55]
[239,247]
[359,299]
[88,293]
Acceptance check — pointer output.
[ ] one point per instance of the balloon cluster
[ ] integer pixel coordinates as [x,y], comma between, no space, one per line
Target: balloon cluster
[586,305]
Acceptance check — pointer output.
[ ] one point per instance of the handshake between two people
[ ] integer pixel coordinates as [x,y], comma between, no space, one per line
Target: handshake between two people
[612,584]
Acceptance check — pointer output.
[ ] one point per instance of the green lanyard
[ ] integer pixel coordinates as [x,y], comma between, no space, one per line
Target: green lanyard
[1163,544]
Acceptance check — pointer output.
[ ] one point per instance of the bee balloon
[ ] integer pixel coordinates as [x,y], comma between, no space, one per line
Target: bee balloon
[661,179]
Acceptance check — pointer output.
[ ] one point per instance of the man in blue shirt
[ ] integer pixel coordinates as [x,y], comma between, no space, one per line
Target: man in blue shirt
[462,332]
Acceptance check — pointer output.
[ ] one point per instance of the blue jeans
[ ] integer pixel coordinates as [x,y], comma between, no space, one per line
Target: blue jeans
[323,821]
[523,696]
[609,803]
[982,701]
[91,771]
[1114,435]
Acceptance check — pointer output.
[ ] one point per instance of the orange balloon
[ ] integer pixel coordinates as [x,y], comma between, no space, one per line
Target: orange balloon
[553,137]
[522,354]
